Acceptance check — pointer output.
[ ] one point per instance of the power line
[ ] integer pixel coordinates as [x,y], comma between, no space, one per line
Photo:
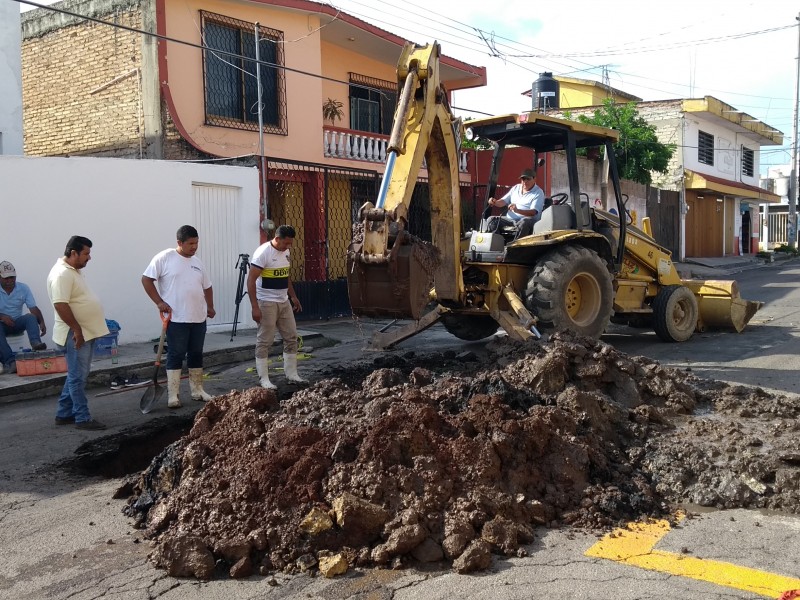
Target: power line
[191,44]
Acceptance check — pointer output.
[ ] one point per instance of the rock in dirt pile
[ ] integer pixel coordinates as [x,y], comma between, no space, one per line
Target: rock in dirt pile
[442,458]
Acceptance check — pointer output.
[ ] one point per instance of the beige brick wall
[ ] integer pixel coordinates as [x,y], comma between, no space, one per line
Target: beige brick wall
[66,108]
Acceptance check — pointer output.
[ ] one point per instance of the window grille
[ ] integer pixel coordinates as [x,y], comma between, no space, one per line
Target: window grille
[231,89]
[748,160]
[705,148]
[372,104]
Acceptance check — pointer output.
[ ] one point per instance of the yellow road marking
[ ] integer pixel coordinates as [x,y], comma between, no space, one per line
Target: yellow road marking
[634,546]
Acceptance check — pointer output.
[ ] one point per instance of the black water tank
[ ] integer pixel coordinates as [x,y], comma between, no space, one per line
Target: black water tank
[545,92]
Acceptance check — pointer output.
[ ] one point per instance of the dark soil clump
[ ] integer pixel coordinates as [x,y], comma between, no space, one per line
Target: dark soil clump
[430,458]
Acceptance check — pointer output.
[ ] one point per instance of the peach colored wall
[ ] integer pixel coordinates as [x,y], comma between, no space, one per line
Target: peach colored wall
[338,63]
[303,92]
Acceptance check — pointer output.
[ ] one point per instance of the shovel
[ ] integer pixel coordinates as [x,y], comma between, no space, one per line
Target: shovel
[156,392]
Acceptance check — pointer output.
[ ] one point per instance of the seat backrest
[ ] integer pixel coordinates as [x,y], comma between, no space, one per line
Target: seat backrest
[554,218]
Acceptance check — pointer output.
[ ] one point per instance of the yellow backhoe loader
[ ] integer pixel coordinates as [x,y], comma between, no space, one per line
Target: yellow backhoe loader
[580,268]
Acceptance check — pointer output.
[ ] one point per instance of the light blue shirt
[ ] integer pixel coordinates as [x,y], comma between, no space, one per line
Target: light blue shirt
[11,304]
[533,199]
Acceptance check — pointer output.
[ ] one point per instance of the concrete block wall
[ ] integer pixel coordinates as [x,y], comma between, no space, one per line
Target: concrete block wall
[667,118]
[81,87]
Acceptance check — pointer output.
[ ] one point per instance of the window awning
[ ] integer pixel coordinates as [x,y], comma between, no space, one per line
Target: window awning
[700,182]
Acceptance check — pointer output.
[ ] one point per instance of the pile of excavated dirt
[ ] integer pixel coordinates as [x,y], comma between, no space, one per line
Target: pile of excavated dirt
[443,458]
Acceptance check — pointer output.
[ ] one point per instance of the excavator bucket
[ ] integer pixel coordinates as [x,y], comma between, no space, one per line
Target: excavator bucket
[398,287]
[720,305]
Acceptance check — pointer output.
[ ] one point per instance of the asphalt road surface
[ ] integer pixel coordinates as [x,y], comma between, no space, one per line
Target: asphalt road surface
[62,534]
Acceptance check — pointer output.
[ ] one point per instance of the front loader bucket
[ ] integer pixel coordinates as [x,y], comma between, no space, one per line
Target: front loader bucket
[398,287]
[720,305]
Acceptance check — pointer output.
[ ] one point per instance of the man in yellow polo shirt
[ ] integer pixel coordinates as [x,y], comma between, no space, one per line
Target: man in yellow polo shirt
[79,321]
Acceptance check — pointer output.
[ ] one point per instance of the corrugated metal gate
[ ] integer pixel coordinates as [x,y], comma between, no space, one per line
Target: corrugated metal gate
[322,203]
[217,222]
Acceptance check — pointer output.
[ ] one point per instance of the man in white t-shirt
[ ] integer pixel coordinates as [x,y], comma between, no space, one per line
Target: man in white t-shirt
[184,291]
[274,303]
[525,203]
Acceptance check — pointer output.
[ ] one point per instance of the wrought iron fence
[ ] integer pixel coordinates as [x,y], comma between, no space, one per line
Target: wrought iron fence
[230,84]
[322,203]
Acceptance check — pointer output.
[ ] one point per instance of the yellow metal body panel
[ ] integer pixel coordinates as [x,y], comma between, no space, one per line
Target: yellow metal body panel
[428,132]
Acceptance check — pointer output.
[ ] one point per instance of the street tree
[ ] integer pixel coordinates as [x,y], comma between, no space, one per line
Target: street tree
[638,152]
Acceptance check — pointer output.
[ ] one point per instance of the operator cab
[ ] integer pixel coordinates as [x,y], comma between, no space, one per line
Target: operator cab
[566,210]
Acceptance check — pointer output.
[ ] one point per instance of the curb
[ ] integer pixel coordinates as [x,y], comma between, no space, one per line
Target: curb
[52,385]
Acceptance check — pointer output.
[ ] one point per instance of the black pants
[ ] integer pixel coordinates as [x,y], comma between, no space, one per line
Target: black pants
[525,227]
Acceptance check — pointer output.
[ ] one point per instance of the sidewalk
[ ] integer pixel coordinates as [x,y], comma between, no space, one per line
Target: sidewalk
[723,266]
[139,358]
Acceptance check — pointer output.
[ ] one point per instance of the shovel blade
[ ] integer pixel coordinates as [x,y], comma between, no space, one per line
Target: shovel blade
[150,397]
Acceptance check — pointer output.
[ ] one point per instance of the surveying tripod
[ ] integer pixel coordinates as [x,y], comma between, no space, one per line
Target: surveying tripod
[242,263]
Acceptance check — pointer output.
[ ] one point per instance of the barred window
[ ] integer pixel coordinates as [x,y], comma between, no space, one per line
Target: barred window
[705,148]
[231,89]
[748,160]
[372,104]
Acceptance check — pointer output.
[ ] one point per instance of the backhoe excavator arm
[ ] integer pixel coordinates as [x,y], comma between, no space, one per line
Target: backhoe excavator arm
[390,272]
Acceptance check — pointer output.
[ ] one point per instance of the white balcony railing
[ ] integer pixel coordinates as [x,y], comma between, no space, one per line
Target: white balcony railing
[358,145]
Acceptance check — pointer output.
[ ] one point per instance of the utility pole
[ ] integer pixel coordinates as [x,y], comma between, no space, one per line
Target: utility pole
[263,166]
[792,225]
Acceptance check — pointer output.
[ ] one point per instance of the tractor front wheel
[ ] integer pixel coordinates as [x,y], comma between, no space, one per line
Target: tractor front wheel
[675,313]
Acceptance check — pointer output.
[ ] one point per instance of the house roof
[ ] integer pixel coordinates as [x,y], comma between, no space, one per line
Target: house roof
[591,83]
[726,115]
[345,30]
[702,182]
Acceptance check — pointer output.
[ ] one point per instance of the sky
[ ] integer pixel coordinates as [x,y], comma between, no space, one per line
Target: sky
[743,52]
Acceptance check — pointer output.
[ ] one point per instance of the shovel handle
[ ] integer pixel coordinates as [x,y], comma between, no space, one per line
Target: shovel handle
[165,317]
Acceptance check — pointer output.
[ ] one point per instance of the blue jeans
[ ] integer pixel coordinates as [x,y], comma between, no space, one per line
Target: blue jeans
[185,340]
[27,323]
[73,400]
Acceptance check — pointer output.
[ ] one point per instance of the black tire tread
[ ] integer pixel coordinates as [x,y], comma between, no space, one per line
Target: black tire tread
[547,279]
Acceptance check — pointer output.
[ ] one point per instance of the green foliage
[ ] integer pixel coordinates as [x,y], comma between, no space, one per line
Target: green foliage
[638,151]
[785,248]
[476,144]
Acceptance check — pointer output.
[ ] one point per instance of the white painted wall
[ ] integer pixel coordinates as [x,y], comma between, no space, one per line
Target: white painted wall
[130,209]
[727,151]
[10,79]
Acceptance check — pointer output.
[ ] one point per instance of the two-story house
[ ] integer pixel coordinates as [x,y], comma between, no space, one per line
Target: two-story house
[298,89]
[715,168]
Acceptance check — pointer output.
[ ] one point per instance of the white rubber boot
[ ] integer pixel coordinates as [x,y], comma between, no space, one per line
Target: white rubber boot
[196,386]
[173,387]
[262,368]
[290,368]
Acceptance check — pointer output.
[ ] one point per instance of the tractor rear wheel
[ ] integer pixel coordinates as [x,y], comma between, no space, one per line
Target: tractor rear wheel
[469,328]
[675,313]
[571,288]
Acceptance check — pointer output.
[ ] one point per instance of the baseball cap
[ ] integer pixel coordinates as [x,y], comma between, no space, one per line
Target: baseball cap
[527,174]
[7,269]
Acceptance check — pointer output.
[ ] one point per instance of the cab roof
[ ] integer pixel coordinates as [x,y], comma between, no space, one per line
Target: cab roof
[539,132]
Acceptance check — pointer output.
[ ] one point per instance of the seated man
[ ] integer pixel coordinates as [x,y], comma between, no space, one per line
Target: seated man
[13,296]
[525,203]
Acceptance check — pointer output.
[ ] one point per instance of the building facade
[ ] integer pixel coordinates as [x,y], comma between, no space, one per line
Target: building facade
[313,114]
[715,168]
